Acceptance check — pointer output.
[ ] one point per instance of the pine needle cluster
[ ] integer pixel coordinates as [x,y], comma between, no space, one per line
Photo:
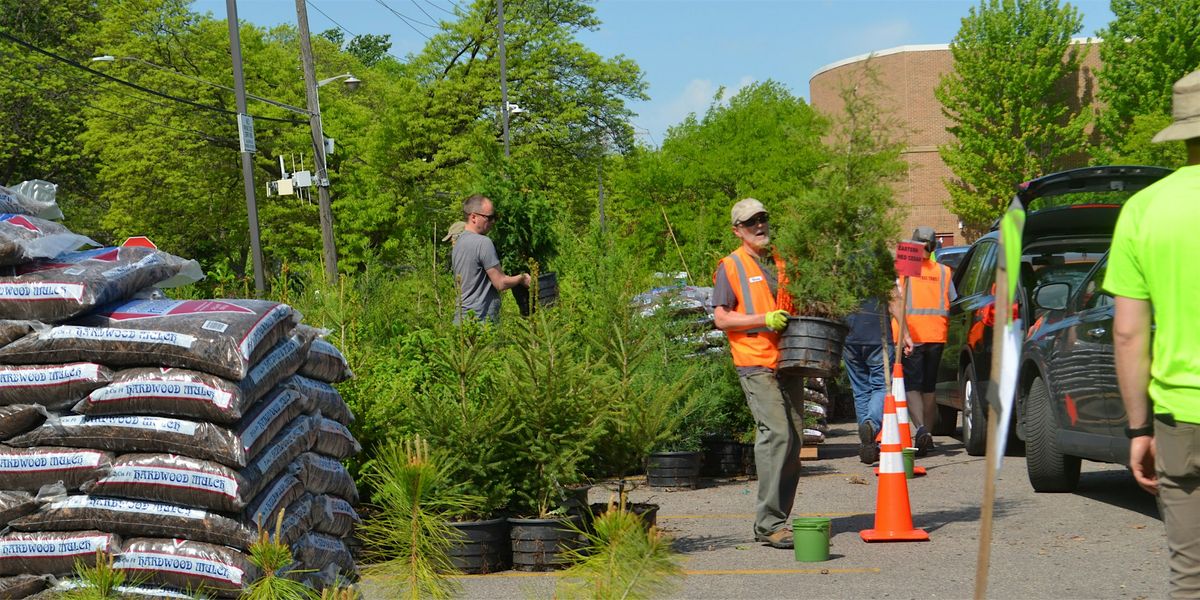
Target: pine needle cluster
[624,560]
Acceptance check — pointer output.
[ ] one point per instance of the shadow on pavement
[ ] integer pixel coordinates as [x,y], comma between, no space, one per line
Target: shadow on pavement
[930,521]
[709,543]
[1117,488]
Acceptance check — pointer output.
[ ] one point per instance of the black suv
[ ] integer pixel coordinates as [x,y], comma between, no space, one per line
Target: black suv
[1068,227]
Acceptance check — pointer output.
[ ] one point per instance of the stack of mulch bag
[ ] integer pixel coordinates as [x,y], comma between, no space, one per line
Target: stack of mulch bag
[165,433]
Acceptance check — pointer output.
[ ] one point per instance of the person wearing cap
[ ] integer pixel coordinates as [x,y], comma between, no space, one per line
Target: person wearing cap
[477,266]
[1151,274]
[456,229]
[751,305]
[927,316]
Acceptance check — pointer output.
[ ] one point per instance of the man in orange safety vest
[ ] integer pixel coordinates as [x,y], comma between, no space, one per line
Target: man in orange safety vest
[751,305]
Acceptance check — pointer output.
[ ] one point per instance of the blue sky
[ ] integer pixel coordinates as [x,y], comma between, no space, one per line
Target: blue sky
[687,49]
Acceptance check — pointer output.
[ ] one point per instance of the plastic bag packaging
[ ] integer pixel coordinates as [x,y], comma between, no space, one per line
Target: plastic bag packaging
[16,504]
[13,330]
[34,197]
[175,479]
[333,439]
[268,418]
[53,552]
[324,361]
[296,438]
[139,433]
[297,520]
[277,496]
[222,337]
[75,283]
[26,238]
[168,392]
[22,586]
[325,398]
[186,564]
[57,387]
[324,475]
[127,591]
[316,550]
[136,518]
[276,365]
[28,469]
[16,419]
[334,516]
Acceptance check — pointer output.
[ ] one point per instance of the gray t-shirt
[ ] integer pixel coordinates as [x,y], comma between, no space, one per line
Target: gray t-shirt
[472,256]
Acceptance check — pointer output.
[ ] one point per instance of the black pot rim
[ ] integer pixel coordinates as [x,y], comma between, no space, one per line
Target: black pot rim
[537,521]
[677,453]
[483,523]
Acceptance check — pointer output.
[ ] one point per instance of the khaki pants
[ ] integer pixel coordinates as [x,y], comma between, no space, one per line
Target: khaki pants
[777,405]
[1177,448]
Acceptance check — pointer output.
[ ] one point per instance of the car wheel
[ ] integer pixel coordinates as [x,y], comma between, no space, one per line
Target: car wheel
[974,429]
[1049,469]
[947,420]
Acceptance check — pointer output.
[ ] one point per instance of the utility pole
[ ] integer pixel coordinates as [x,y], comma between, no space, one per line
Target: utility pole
[503,76]
[329,251]
[239,84]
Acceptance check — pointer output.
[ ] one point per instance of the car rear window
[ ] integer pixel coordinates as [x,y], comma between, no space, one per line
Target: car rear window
[1068,263]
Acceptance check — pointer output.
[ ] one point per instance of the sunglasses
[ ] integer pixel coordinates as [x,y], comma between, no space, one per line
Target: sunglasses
[491,217]
[755,221]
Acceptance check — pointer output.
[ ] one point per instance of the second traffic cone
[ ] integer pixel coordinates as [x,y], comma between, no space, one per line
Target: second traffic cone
[893,517]
[899,396]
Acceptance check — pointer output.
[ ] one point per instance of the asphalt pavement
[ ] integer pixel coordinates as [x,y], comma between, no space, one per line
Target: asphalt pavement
[1103,541]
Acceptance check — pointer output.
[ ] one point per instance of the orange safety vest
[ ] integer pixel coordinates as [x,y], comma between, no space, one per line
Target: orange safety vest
[755,347]
[928,306]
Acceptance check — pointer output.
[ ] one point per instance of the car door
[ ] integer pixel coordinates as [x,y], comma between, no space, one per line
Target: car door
[968,334]
[1083,374]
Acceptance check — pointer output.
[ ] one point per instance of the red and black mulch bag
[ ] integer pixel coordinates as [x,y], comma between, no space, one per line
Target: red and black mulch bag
[74,283]
[28,469]
[57,387]
[25,238]
[177,480]
[188,565]
[222,337]
[139,433]
[136,518]
[53,552]
[167,392]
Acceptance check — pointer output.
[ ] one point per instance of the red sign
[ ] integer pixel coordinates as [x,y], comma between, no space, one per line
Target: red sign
[909,256]
[140,241]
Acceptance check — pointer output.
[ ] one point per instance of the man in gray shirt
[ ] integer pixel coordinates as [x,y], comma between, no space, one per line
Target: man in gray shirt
[477,266]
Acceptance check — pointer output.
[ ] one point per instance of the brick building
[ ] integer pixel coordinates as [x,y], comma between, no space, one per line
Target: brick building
[909,75]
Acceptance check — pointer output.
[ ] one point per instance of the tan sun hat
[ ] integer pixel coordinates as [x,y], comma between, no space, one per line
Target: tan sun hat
[456,228]
[745,209]
[1185,103]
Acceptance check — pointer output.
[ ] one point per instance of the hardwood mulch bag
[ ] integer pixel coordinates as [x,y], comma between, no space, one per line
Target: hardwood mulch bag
[34,197]
[297,520]
[13,330]
[57,387]
[75,283]
[28,469]
[276,365]
[25,238]
[296,438]
[325,398]
[139,433]
[186,564]
[126,592]
[16,504]
[53,552]
[316,550]
[282,491]
[334,439]
[334,516]
[16,419]
[324,475]
[269,417]
[136,518]
[324,361]
[175,479]
[22,586]
[222,337]
[168,392]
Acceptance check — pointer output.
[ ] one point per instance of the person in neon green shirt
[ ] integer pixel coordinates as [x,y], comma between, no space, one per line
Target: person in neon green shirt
[1151,272]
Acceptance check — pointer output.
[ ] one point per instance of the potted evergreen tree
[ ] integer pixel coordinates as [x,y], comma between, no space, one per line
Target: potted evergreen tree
[524,233]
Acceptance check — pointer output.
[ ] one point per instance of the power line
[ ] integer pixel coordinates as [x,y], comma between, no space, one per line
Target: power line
[406,20]
[414,3]
[135,86]
[442,8]
[339,25]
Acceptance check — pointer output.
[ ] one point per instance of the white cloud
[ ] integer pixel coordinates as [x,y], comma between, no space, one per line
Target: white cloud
[695,97]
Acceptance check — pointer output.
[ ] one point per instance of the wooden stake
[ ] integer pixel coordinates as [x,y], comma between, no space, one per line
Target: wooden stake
[1003,314]
[671,231]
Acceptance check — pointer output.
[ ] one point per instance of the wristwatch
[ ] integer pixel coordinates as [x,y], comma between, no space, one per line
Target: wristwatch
[1139,431]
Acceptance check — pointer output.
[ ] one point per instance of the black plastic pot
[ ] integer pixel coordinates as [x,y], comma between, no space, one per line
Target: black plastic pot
[547,294]
[723,457]
[576,498]
[648,512]
[811,346]
[541,544]
[674,469]
[484,546]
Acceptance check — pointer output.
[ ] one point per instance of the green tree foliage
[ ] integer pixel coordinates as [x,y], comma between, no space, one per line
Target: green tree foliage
[1146,47]
[1012,99]
[623,560]
[761,142]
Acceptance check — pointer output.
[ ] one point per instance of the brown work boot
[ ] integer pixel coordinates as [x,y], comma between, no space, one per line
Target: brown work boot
[781,538]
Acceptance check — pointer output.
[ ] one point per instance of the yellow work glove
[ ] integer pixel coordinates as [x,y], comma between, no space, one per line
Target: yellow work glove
[777,320]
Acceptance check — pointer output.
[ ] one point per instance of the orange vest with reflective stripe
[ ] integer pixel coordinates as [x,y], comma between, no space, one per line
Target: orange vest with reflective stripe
[755,347]
[929,304]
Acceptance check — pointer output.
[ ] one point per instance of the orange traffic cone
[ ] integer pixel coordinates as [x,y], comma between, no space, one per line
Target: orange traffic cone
[893,517]
[901,399]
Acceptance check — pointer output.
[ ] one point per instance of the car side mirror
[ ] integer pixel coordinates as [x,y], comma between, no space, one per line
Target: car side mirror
[1052,296]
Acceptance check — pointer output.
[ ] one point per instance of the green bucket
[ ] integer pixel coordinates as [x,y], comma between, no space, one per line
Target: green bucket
[811,538]
[909,456]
